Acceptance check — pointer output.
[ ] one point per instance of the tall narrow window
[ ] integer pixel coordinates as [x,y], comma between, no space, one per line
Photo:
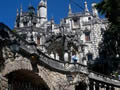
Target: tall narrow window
[90,56]
[38,40]
[87,36]
[75,22]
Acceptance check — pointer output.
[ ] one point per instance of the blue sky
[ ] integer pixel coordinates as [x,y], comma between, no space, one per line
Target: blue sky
[56,8]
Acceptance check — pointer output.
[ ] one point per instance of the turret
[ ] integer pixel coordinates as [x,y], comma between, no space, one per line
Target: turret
[42,11]
[94,10]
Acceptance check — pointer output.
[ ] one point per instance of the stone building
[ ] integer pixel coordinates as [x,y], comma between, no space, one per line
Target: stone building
[78,29]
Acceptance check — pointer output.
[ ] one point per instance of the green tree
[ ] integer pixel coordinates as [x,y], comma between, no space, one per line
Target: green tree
[111,9]
[109,48]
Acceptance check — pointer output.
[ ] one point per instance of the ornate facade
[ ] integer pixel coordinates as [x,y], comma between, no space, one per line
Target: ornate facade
[79,33]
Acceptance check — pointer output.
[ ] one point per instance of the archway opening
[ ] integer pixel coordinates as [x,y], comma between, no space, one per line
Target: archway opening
[25,80]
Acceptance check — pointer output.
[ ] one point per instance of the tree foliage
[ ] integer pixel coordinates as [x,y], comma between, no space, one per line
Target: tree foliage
[111,9]
[109,49]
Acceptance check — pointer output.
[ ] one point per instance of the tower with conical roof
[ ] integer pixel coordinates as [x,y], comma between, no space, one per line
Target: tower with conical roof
[42,11]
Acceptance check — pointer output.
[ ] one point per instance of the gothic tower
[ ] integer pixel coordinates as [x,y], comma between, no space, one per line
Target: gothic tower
[42,11]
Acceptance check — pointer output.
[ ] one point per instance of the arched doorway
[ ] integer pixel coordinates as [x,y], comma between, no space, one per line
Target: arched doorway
[80,86]
[25,80]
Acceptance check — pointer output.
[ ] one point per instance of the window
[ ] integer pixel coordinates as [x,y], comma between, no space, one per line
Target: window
[90,56]
[38,40]
[25,23]
[75,22]
[89,18]
[87,36]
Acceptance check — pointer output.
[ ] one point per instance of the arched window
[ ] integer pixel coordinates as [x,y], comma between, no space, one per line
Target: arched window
[38,40]
[90,56]
[87,36]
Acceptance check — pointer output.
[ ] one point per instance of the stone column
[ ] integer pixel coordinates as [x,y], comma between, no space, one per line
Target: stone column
[88,84]
[99,86]
[94,85]
[110,87]
[105,87]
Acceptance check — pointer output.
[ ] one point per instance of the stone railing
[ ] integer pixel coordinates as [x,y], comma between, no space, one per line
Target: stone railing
[3,83]
[57,65]
[62,65]
[103,78]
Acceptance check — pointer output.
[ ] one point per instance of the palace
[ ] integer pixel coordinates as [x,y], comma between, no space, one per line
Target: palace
[42,55]
[84,28]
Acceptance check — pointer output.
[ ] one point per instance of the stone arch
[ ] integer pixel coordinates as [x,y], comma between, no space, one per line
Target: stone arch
[26,79]
[17,66]
[12,66]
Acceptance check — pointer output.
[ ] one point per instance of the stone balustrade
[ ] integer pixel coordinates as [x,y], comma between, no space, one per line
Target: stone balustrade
[103,78]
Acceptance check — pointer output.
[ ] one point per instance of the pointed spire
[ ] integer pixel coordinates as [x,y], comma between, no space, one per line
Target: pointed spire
[30,4]
[46,3]
[17,12]
[52,19]
[86,7]
[21,10]
[70,10]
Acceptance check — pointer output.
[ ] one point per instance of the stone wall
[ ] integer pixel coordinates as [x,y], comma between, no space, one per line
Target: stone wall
[3,83]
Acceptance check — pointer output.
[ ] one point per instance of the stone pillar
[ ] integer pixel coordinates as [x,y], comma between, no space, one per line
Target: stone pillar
[99,86]
[110,87]
[105,87]
[94,85]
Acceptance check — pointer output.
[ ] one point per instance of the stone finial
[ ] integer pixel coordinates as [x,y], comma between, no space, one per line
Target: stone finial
[46,3]
[70,10]
[86,7]
[21,10]
[94,10]
[17,12]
